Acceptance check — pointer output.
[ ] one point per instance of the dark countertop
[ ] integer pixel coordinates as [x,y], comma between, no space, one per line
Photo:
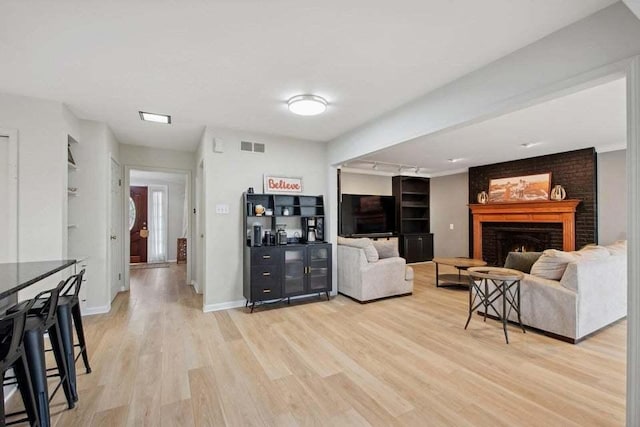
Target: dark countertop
[18,275]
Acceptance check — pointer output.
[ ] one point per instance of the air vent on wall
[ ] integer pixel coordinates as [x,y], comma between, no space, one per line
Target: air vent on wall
[256,147]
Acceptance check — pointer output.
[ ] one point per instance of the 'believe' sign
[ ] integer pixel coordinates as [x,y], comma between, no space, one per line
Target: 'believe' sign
[282,184]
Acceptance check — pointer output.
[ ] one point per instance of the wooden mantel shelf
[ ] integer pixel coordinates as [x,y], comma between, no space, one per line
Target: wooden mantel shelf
[562,212]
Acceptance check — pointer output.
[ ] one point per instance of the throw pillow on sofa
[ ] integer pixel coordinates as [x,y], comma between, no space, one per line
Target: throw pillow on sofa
[366,244]
[592,252]
[552,264]
[618,248]
[521,261]
[386,248]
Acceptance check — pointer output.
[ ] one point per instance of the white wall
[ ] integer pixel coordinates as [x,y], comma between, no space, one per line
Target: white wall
[358,183]
[612,197]
[448,205]
[90,210]
[42,168]
[42,127]
[175,209]
[133,155]
[227,176]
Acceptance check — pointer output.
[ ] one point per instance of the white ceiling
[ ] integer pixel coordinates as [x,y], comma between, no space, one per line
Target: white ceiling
[594,117]
[234,63]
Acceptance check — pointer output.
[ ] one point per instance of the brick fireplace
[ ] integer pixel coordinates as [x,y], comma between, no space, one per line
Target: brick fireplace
[512,221]
[576,171]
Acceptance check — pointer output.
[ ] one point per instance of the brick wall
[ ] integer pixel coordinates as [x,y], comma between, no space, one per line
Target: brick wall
[576,171]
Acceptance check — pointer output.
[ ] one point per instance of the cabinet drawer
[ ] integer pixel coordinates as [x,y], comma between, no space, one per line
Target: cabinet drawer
[265,282]
[265,256]
[261,293]
[264,272]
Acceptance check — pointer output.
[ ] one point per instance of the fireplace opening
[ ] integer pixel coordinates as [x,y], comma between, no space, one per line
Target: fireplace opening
[521,240]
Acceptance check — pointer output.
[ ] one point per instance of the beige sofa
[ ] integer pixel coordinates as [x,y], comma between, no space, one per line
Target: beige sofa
[590,294]
[369,270]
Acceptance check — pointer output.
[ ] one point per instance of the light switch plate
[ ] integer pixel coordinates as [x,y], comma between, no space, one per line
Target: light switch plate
[450,226]
[222,209]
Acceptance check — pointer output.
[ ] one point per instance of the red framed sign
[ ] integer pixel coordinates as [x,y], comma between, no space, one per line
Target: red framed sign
[282,184]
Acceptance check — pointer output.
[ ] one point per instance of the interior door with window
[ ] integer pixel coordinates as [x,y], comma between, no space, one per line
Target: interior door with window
[138,224]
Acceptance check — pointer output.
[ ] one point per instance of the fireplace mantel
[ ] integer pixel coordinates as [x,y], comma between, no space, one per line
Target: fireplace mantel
[563,212]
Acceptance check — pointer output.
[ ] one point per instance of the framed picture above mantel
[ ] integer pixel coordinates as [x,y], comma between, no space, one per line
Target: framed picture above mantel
[527,188]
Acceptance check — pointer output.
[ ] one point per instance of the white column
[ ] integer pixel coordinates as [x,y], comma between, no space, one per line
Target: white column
[633,237]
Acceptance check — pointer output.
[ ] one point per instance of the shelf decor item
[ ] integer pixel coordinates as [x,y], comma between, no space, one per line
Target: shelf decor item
[558,193]
[526,188]
[259,210]
[483,197]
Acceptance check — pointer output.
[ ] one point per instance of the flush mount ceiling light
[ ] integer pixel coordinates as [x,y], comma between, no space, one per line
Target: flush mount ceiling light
[307,105]
[530,144]
[156,118]
[454,160]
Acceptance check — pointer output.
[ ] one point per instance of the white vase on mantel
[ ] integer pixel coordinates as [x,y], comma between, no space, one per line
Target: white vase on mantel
[483,197]
[558,193]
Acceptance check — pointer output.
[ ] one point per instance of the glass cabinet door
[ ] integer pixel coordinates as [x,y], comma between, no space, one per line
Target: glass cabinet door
[294,271]
[319,268]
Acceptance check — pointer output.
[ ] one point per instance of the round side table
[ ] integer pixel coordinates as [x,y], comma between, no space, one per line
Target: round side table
[489,284]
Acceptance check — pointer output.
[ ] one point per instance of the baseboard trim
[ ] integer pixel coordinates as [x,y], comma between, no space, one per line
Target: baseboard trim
[207,308]
[90,311]
[195,286]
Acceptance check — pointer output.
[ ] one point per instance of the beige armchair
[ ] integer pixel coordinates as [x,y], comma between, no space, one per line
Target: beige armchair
[367,273]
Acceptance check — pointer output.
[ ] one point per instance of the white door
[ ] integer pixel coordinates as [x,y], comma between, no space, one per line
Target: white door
[200,257]
[116,229]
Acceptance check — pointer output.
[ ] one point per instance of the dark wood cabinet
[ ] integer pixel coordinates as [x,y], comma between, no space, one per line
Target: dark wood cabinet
[273,272]
[412,196]
[417,247]
[307,269]
[262,273]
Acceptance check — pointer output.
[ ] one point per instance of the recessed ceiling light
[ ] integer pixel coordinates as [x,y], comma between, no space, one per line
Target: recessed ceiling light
[530,144]
[454,160]
[156,118]
[307,105]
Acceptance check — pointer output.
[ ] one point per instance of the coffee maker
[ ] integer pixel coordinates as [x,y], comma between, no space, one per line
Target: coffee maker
[312,229]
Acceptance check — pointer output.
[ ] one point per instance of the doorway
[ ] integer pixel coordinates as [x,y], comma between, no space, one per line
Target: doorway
[158,224]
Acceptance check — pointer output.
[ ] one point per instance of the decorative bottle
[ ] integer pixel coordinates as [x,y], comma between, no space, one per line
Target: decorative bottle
[558,193]
[483,197]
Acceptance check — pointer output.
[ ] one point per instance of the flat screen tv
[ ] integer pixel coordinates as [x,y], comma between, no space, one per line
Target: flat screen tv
[367,214]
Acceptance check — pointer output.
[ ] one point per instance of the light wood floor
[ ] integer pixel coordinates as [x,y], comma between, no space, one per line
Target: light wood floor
[158,360]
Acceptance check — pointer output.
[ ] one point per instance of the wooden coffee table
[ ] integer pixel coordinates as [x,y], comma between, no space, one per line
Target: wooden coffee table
[461,264]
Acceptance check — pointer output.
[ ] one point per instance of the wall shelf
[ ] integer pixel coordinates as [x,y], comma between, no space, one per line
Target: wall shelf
[412,196]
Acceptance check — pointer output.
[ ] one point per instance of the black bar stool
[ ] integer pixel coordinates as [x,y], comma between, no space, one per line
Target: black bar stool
[12,355]
[41,318]
[68,308]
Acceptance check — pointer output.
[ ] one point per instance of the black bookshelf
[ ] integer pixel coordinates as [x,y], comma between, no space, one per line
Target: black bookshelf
[412,196]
